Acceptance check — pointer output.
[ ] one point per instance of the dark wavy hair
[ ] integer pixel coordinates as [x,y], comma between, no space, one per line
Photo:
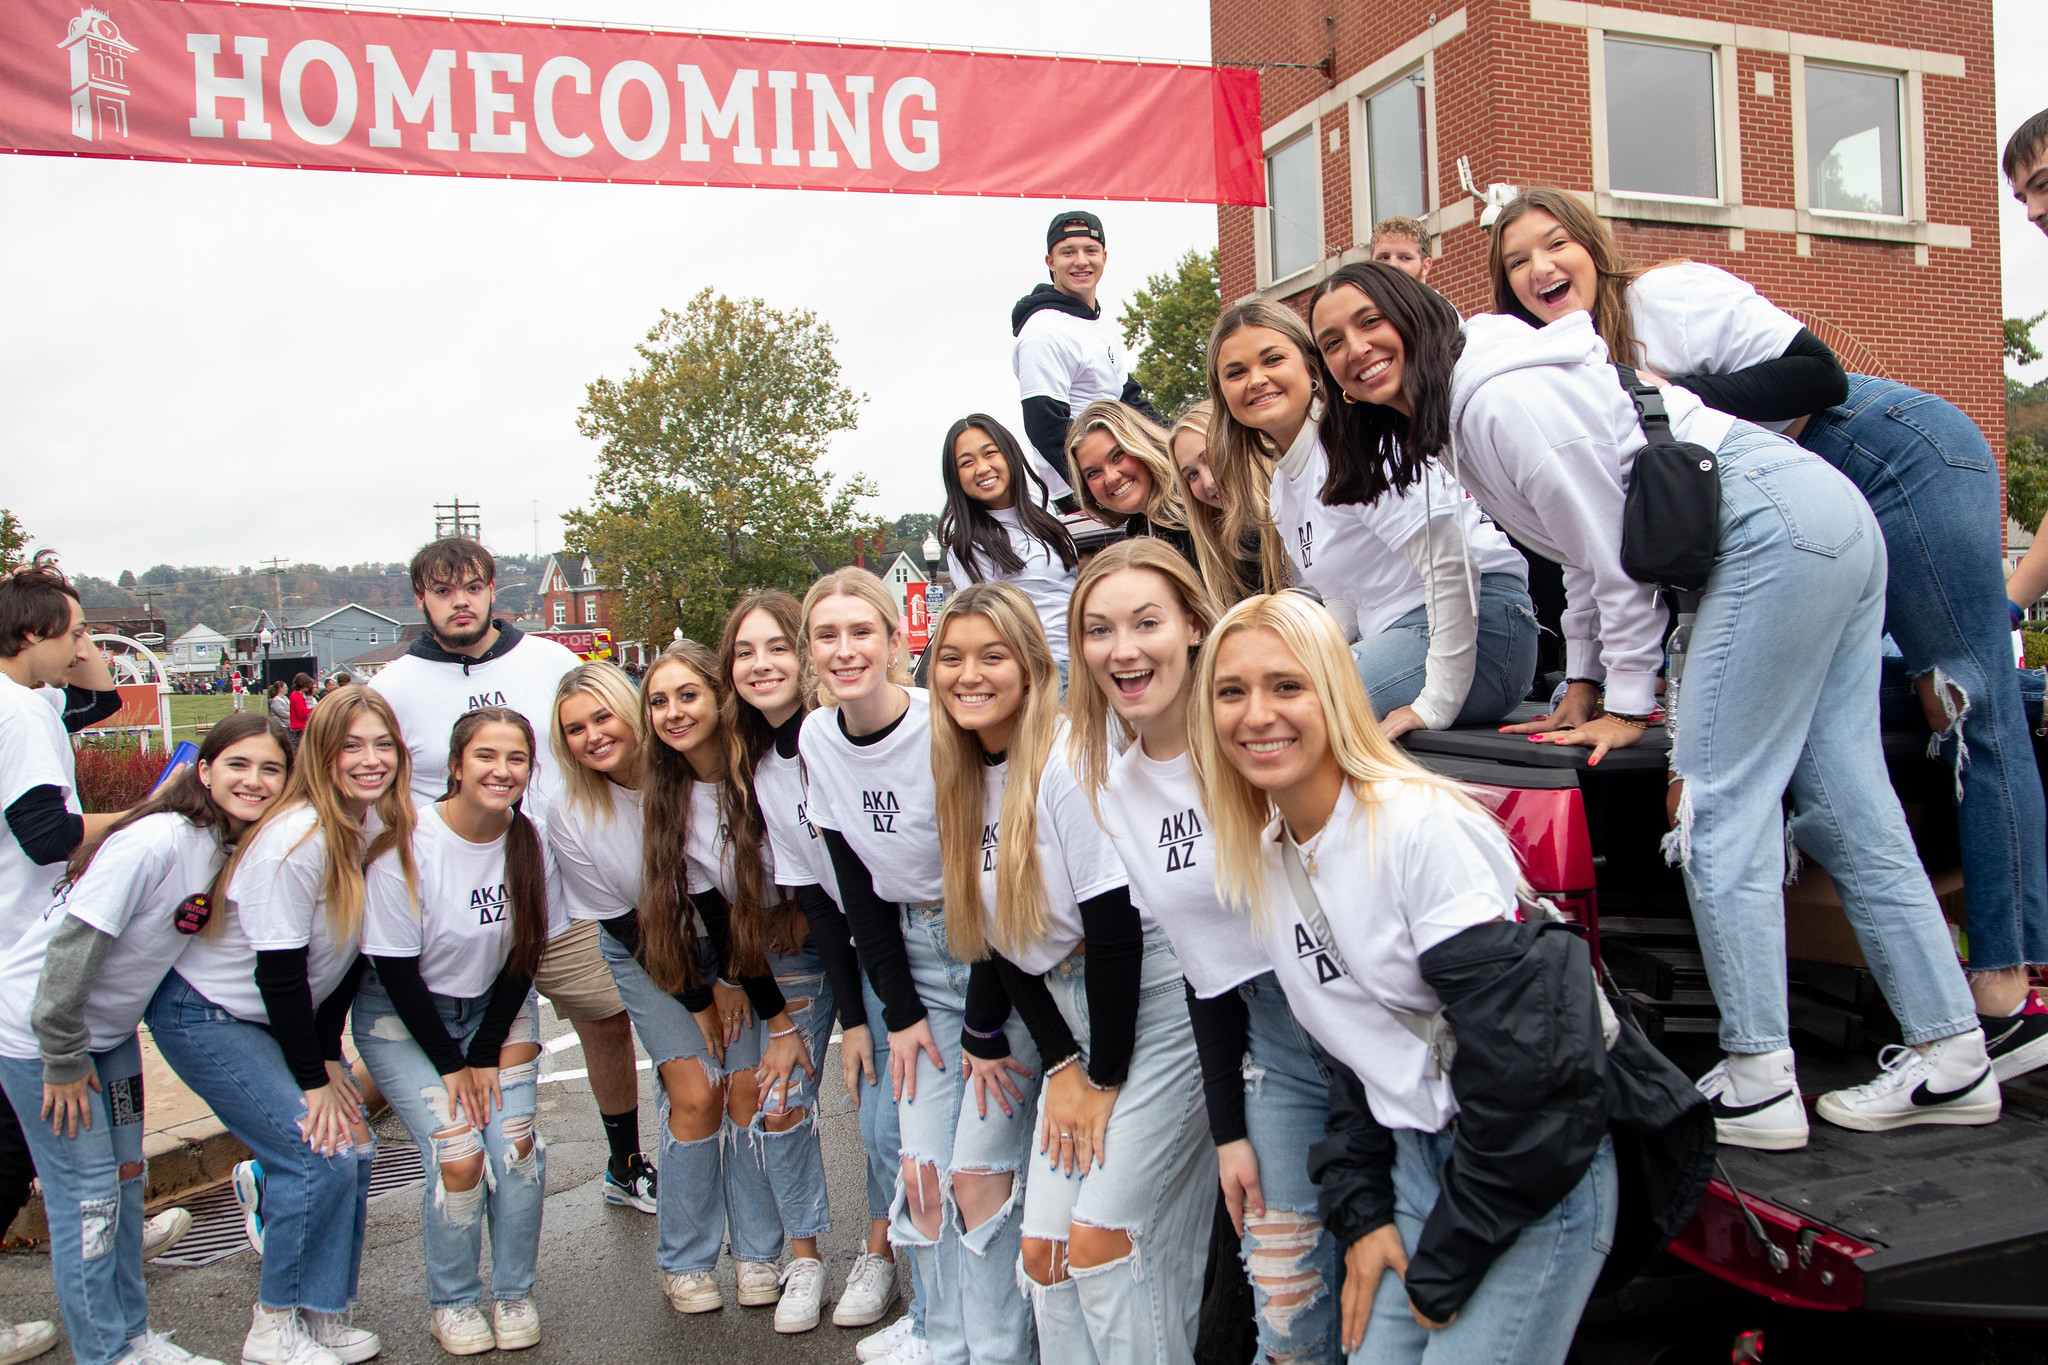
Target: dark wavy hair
[668,930]
[526,873]
[1372,448]
[748,737]
[976,538]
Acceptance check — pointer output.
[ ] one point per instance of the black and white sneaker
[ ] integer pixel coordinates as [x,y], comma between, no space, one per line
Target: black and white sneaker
[2017,1043]
[1949,1081]
[637,1190]
[1756,1101]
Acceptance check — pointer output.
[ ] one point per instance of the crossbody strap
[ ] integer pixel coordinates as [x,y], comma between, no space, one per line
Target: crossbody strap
[1649,401]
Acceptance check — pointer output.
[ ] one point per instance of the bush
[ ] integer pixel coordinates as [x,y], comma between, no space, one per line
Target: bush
[116,776]
[2037,648]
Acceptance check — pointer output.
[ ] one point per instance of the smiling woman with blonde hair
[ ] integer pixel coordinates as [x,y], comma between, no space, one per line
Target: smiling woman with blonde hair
[1121,471]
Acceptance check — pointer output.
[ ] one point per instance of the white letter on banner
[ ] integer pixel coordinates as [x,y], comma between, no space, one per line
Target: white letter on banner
[737,113]
[825,107]
[925,130]
[785,153]
[293,71]
[615,81]
[388,87]
[208,87]
[491,102]
[552,70]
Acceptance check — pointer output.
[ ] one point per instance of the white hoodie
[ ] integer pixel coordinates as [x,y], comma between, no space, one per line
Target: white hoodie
[1544,436]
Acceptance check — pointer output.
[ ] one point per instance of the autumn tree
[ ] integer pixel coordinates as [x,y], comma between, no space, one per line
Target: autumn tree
[1166,325]
[710,475]
[13,540]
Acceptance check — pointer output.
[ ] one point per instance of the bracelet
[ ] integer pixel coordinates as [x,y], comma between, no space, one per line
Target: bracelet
[729,985]
[1099,1089]
[1590,682]
[977,1033]
[1635,722]
[1057,1067]
[784,1033]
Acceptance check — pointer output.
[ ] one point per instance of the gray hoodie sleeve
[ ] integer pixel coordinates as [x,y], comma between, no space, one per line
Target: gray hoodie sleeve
[70,965]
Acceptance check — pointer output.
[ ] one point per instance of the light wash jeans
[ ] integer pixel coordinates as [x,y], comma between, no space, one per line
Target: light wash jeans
[881,1140]
[775,1182]
[1781,692]
[689,1200]
[95,1215]
[1157,1183]
[1286,1109]
[1930,479]
[512,1189]
[314,1206]
[1392,663]
[973,1309]
[1527,1308]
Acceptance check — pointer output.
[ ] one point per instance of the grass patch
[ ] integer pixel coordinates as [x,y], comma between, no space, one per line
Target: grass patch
[189,713]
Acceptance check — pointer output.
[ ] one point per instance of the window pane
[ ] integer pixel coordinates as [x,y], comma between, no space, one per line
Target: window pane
[1852,142]
[1660,120]
[1291,193]
[1394,119]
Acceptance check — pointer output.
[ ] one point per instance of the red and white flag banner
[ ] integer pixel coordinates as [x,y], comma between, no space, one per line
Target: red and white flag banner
[260,85]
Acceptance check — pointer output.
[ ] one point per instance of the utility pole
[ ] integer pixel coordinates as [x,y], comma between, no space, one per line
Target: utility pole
[458,518]
[536,528]
[277,588]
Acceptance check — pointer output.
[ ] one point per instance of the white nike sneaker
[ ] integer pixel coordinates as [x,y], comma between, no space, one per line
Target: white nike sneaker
[869,1290]
[166,1230]
[877,1346]
[759,1282]
[1756,1101]
[913,1351]
[1948,1081]
[21,1341]
[803,1295]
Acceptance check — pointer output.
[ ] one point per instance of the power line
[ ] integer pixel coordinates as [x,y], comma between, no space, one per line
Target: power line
[450,521]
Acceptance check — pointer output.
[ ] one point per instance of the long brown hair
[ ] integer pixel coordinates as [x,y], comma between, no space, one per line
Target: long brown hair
[1242,458]
[668,931]
[1612,273]
[526,871]
[748,737]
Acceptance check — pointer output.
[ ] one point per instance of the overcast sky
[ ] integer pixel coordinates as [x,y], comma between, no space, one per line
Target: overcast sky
[212,365]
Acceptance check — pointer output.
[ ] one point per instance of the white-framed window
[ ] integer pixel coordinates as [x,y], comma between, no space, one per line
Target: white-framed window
[1396,119]
[1854,160]
[561,612]
[590,611]
[373,637]
[1294,210]
[1663,119]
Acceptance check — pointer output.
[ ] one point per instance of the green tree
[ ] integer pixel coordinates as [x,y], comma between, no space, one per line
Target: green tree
[908,531]
[126,580]
[13,540]
[709,478]
[2019,339]
[2026,481]
[1167,325]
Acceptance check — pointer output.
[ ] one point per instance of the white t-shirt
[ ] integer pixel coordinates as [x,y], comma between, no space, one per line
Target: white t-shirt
[880,797]
[429,696]
[1393,882]
[1076,859]
[709,846]
[1697,319]
[277,901]
[794,848]
[131,892]
[598,856]
[1075,360]
[35,751]
[462,929]
[1044,579]
[1152,811]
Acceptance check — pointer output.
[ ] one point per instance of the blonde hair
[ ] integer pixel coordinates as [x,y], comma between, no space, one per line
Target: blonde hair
[589,791]
[1089,714]
[1399,225]
[1241,458]
[1139,437]
[1238,811]
[854,581]
[1205,523]
[1020,916]
[312,783]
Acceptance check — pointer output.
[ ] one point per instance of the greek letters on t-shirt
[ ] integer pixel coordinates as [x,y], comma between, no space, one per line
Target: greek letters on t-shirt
[1307,947]
[881,805]
[1307,534]
[489,902]
[803,817]
[1177,835]
[477,699]
[989,836]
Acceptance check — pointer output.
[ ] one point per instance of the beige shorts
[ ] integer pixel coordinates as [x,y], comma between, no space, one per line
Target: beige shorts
[574,978]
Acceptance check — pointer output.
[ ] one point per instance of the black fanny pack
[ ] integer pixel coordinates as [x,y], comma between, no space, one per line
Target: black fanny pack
[1671,515]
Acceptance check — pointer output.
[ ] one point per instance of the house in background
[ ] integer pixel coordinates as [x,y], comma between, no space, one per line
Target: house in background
[198,651]
[573,597]
[325,635]
[899,574]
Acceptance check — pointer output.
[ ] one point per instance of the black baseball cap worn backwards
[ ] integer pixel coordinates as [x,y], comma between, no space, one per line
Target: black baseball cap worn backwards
[1074,223]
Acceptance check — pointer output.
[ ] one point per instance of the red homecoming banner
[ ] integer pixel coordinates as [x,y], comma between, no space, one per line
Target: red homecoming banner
[256,85]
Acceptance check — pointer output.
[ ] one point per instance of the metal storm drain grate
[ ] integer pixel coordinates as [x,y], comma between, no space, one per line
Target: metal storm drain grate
[217,1219]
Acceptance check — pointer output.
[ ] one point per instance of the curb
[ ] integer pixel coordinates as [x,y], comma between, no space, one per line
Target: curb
[180,1160]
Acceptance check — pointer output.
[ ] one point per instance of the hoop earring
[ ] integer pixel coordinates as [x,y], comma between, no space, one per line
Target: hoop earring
[1347,397]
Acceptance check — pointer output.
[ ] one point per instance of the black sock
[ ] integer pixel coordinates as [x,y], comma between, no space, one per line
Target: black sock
[622,1131]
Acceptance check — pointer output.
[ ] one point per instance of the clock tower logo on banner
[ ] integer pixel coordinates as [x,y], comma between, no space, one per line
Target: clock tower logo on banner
[99,79]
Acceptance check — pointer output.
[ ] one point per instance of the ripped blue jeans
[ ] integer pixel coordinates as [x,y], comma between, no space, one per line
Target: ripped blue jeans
[775,1181]
[509,1187]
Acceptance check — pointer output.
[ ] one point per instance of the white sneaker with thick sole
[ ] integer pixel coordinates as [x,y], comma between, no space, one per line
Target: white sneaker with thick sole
[157,1348]
[803,1295]
[166,1230]
[1756,1102]
[869,1290]
[694,1291]
[352,1345]
[881,1345]
[21,1341]
[913,1351]
[1949,1081]
[282,1339]
[248,1183]
[760,1283]
[516,1324]
[462,1331]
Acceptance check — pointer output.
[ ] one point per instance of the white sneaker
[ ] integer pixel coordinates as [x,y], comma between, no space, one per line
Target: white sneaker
[282,1339]
[157,1348]
[164,1231]
[248,1183]
[352,1345]
[803,1295]
[1756,1101]
[881,1345]
[516,1324]
[913,1351]
[694,1291]
[462,1331]
[1949,1081]
[869,1290]
[21,1341]
[760,1283]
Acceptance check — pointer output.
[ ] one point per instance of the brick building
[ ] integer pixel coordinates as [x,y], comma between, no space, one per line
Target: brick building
[1842,157]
